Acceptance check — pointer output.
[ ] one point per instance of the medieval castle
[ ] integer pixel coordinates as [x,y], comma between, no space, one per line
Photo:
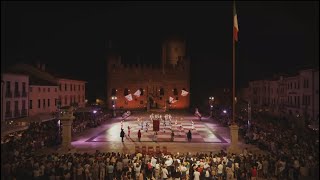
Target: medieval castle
[157,85]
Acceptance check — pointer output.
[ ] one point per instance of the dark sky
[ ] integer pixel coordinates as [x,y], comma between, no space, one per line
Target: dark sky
[71,37]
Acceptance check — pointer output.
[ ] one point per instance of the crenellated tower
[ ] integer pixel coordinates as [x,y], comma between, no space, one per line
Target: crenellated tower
[157,83]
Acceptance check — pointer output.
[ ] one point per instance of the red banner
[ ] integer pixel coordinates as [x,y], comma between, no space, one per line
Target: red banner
[156,125]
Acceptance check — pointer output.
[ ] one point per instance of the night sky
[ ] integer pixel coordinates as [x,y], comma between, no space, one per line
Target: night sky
[71,38]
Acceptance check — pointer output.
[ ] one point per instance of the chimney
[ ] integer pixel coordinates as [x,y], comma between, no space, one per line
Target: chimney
[43,67]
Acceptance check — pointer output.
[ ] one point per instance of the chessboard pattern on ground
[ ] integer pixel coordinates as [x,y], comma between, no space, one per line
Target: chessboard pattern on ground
[200,134]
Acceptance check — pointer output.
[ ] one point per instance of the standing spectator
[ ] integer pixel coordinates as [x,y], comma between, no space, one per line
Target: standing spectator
[254,173]
[164,172]
[102,168]
[196,175]
[110,169]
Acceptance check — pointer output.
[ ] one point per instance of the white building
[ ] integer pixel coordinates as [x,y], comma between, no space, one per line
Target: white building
[296,95]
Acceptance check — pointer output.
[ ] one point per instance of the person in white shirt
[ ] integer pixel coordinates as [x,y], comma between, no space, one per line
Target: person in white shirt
[164,173]
[196,174]
[220,171]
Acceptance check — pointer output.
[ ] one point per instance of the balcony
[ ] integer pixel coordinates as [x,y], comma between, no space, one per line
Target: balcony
[24,94]
[17,113]
[23,112]
[16,94]
[8,114]
[9,94]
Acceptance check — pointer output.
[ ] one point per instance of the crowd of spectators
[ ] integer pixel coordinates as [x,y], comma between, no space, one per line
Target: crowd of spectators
[291,156]
[111,165]
[43,134]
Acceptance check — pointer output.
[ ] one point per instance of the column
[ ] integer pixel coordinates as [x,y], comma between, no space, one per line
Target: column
[66,120]
[234,148]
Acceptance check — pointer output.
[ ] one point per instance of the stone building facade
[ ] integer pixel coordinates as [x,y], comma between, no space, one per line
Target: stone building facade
[295,95]
[156,83]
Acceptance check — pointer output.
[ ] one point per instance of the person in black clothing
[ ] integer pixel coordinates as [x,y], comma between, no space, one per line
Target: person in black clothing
[189,136]
[122,134]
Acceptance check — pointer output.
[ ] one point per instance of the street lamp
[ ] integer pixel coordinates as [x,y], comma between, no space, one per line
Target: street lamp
[113,101]
[211,101]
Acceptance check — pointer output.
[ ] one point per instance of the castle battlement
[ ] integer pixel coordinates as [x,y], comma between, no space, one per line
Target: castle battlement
[157,81]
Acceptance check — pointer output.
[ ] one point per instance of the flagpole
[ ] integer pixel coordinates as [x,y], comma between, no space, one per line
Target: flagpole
[234,128]
[234,73]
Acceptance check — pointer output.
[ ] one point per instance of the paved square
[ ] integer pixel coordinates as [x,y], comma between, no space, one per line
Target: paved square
[202,133]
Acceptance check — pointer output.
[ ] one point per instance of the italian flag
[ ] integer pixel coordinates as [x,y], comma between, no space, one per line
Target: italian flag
[235,23]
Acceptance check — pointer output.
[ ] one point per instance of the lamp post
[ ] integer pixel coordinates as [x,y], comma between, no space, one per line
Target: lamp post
[113,102]
[211,101]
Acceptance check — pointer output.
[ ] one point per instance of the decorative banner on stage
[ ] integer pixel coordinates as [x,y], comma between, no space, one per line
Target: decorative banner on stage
[129,97]
[137,93]
[172,100]
[184,93]
[156,125]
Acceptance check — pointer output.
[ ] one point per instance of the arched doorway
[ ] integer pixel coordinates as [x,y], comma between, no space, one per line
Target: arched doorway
[151,102]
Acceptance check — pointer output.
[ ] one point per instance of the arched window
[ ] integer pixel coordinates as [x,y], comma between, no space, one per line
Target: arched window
[141,90]
[161,92]
[113,92]
[126,91]
[175,92]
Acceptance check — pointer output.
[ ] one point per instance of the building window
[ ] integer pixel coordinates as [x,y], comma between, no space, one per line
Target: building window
[126,91]
[8,106]
[16,87]
[48,89]
[70,87]
[78,87]
[23,104]
[70,100]
[160,98]
[48,102]
[30,89]
[8,86]
[39,103]
[65,100]
[23,87]
[74,87]
[82,98]
[82,87]
[161,92]
[55,89]
[59,87]
[113,92]
[78,98]
[30,104]
[141,102]
[39,89]
[55,102]
[175,92]
[65,87]
[44,103]
[16,108]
